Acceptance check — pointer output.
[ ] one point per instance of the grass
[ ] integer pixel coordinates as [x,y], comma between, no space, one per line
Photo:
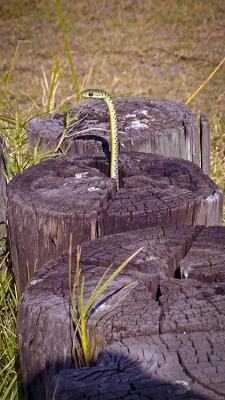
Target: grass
[158,49]
[10,373]
[84,342]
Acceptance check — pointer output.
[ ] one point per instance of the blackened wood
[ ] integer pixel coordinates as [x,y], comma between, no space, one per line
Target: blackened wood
[206,258]
[2,189]
[48,202]
[145,125]
[44,311]
[189,305]
[69,194]
[168,366]
[205,143]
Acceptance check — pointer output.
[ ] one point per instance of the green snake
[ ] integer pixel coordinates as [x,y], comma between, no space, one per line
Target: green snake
[101,94]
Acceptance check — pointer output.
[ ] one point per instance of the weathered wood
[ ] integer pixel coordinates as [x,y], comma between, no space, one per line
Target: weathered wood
[145,125]
[206,259]
[205,143]
[156,304]
[168,366]
[2,189]
[189,305]
[50,200]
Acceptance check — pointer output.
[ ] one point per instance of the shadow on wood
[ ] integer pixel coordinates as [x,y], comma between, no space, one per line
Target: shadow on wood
[182,366]
[145,125]
[157,305]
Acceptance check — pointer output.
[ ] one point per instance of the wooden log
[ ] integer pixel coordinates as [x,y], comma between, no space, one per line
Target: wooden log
[156,304]
[190,305]
[67,195]
[2,189]
[206,259]
[169,366]
[44,311]
[145,125]
[205,143]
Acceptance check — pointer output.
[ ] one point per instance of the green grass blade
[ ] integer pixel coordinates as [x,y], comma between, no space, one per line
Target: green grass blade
[68,50]
[92,300]
[9,388]
[52,86]
[108,314]
[115,273]
[8,77]
[207,80]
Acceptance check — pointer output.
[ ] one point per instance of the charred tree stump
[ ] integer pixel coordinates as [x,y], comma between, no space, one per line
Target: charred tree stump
[145,125]
[205,143]
[157,304]
[206,259]
[168,366]
[67,195]
[2,189]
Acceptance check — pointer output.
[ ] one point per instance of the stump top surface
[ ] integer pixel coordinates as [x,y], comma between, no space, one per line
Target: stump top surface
[74,184]
[148,116]
[62,185]
[160,246]
[206,259]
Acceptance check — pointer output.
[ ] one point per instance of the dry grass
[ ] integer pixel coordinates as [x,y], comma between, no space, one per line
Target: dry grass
[144,48]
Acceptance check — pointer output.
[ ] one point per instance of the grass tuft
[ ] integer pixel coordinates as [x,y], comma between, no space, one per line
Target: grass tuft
[85,343]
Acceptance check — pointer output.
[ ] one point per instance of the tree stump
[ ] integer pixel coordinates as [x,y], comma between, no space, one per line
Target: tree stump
[157,304]
[145,125]
[74,195]
[2,189]
[168,366]
[206,259]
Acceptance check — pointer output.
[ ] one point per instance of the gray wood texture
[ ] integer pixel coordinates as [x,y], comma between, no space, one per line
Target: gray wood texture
[179,312]
[157,367]
[2,190]
[206,259]
[74,195]
[145,125]
[205,143]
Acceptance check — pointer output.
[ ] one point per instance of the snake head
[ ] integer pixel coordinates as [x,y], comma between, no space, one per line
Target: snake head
[95,94]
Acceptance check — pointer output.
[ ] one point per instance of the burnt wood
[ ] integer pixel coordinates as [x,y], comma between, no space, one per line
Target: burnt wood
[74,195]
[156,303]
[206,259]
[205,143]
[2,189]
[168,366]
[145,125]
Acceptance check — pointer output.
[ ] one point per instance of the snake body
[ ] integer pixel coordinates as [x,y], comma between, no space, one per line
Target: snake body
[101,94]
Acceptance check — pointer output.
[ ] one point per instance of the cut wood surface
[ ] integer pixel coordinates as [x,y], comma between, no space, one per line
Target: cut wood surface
[157,303]
[206,259]
[168,366]
[74,195]
[146,125]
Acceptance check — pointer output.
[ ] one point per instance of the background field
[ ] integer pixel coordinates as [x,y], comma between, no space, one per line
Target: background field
[161,49]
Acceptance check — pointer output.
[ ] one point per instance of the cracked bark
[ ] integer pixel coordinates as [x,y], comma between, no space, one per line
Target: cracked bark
[72,194]
[136,322]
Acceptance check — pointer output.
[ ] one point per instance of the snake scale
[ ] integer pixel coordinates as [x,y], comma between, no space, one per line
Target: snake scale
[101,94]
